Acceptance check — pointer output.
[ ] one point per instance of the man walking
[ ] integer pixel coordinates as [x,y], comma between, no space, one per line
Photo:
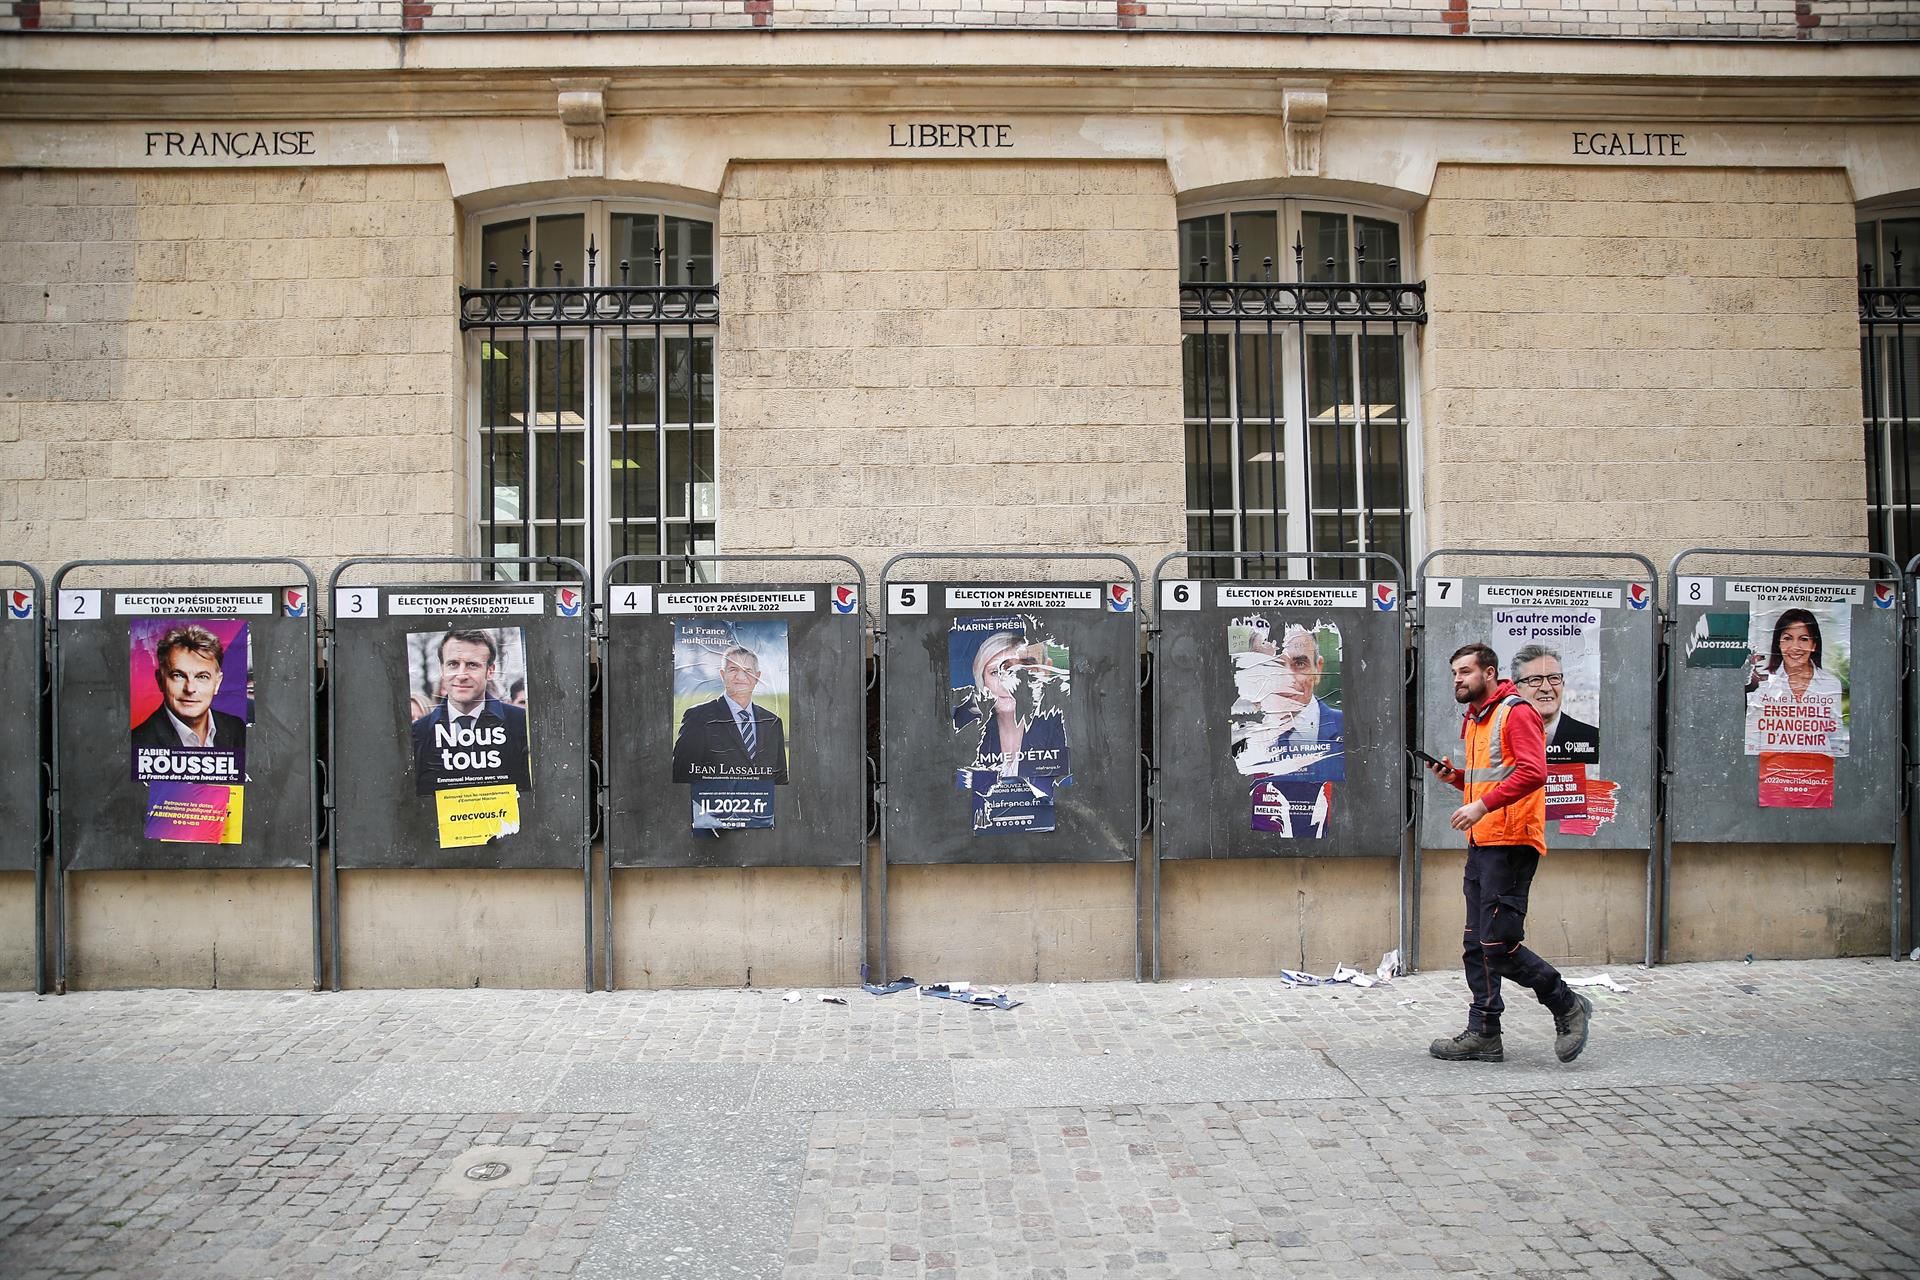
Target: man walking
[1505,818]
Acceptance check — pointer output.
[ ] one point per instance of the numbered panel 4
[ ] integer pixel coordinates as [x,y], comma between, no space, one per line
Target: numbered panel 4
[736,726]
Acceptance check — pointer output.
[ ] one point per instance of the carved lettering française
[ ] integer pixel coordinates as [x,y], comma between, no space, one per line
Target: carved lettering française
[1606,142]
[951,137]
[229,144]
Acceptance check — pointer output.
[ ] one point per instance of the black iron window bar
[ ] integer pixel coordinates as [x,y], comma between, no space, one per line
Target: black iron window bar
[1886,311]
[533,309]
[1263,307]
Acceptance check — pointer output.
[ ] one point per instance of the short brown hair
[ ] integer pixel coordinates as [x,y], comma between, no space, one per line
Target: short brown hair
[1482,655]
[192,638]
[473,637]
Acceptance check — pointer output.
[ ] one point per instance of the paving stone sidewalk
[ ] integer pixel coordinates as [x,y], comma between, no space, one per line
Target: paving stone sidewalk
[1728,1121]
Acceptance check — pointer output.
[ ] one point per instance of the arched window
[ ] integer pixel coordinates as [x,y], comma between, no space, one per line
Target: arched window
[1890,378]
[590,329]
[1298,366]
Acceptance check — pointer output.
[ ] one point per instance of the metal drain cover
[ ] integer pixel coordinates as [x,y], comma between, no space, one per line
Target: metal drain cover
[485,1171]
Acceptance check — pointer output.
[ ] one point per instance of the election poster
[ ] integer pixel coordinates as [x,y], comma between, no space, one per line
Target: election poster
[190,687]
[1011,684]
[1799,654]
[732,712]
[1553,658]
[467,708]
[1797,670]
[1286,728]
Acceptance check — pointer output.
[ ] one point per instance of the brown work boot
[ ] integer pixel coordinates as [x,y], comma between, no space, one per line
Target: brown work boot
[1570,1029]
[1469,1046]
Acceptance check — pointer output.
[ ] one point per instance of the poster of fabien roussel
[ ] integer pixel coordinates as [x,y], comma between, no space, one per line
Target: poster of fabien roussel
[467,704]
[1288,731]
[1011,686]
[732,713]
[190,682]
[1553,658]
[1797,699]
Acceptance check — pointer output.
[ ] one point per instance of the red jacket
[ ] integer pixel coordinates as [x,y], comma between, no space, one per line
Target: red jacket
[1506,769]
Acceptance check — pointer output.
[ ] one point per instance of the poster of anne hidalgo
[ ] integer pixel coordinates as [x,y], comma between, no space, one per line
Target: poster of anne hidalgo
[1798,708]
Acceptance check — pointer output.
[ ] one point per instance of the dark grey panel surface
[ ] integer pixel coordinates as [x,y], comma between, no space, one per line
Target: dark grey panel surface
[1628,736]
[379,820]
[929,819]
[1715,785]
[103,811]
[21,777]
[820,814]
[1203,807]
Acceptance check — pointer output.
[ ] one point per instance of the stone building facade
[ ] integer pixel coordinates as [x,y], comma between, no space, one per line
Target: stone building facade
[237,235]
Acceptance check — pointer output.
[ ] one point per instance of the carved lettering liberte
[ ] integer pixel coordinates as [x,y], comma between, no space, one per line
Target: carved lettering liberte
[1606,143]
[951,137]
[233,144]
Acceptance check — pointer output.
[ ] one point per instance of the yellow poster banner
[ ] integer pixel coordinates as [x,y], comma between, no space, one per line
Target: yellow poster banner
[475,815]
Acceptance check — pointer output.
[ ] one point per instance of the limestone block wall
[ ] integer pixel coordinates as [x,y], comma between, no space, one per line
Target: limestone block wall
[950,354]
[1649,359]
[1673,19]
[224,363]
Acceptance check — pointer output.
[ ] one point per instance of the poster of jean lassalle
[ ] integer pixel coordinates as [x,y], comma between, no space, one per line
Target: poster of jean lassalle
[467,700]
[733,718]
[1011,686]
[190,687]
[1287,730]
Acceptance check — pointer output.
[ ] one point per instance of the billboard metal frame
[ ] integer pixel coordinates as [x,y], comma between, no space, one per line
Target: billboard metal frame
[590,810]
[1153,675]
[1903,641]
[315,814]
[1656,770]
[879,650]
[42,813]
[601,634]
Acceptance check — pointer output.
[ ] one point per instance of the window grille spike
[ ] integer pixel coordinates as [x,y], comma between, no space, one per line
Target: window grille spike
[526,262]
[1234,248]
[1299,257]
[623,271]
[1203,268]
[493,269]
[1267,264]
[1896,264]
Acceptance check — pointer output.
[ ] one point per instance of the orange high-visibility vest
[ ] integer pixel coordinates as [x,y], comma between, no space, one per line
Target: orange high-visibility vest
[1489,762]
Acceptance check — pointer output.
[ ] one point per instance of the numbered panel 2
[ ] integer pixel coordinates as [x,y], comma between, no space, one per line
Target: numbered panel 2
[1784,711]
[185,722]
[460,725]
[736,726]
[1582,652]
[22,803]
[1279,720]
[1011,725]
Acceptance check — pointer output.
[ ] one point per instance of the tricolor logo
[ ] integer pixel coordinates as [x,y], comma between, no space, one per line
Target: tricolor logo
[846,599]
[294,602]
[1120,597]
[566,602]
[19,604]
[1638,595]
[1386,597]
[1883,595]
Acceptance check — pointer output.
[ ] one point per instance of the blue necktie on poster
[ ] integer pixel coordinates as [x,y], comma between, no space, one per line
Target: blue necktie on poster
[746,729]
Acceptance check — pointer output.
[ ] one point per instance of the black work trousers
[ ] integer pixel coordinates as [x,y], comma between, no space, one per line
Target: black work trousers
[1499,877]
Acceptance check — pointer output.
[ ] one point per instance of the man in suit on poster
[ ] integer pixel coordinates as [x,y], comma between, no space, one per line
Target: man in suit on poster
[731,736]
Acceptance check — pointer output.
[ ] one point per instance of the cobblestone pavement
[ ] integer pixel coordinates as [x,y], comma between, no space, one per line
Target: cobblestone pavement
[1727,1121]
